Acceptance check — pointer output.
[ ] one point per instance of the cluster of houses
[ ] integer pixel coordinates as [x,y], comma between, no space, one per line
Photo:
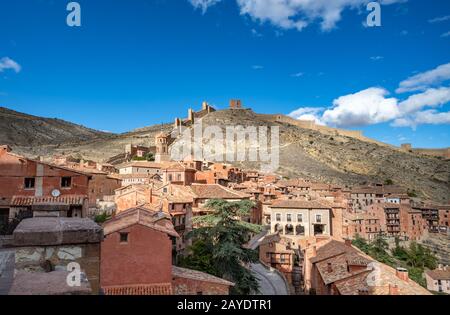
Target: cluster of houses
[307,225]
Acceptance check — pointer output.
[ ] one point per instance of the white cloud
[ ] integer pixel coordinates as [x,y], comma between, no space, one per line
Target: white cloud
[366,107]
[376,58]
[7,63]
[308,113]
[428,117]
[372,106]
[431,97]
[440,19]
[446,34]
[424,80]
[295,14]
[203,4]
[297,75]
[257,67]
[256,33]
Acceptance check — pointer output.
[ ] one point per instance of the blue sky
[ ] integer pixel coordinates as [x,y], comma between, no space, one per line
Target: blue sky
[133,64]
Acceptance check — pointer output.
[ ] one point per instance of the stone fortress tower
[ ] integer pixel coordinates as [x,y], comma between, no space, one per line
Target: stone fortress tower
[162,147]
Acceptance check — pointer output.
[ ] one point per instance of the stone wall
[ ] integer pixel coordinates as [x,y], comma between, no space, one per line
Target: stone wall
[310,124]
[45,245]
[443,153]
[42,259]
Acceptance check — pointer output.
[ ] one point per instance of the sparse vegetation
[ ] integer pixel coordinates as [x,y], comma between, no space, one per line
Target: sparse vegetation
[416,259]
[101,218]
[147,157]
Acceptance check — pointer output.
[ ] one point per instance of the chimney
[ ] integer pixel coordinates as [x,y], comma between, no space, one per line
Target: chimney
[402,274]
[329,267]
[348,242]
[393,289]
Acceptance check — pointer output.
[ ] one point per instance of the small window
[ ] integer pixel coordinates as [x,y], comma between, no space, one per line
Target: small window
[299,217]
[318,218]
[124,237]
[29,183]
[288,217]
[278,217]
[66,182]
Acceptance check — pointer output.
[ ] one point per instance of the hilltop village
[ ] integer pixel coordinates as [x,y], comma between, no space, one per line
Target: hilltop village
[127,223]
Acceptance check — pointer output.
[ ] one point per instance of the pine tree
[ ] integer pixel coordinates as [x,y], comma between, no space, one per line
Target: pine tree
[222,235]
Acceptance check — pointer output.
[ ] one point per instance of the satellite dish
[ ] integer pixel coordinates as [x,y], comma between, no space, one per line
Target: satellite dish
[56,193]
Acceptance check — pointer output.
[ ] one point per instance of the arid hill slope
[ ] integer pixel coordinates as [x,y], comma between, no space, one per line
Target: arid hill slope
[20,129]
[303,152]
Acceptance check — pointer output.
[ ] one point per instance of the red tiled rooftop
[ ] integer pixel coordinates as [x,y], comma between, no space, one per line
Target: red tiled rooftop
[299,204]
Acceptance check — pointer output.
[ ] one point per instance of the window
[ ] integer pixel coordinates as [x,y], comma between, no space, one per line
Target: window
[278,217]
[29,183]
[318,218]
[289,229]
[124,237]
[170,177]
[66,182]
[299,217]
[289,217]
[179,177]
[300,230]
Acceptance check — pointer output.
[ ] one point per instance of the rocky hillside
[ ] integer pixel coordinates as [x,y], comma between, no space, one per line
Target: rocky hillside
[303,152]
[19,129]
[345,160]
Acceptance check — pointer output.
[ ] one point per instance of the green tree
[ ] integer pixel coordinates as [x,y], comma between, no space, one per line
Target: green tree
[361,243]
[101,218]
[201,258]
[420,257]
[222,234]
[379,250]
[147,157]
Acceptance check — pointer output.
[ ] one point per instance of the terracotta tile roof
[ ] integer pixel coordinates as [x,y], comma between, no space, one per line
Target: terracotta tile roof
[353,284]
[198,275]
[24,201]
[216,191]
[388,277]
[439,274]
[389,205]
[293,183]
[331,249]
[159,221]
[348,283]
[299,204]
[338,270]
[142,164]
[140,289]
[179,194]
